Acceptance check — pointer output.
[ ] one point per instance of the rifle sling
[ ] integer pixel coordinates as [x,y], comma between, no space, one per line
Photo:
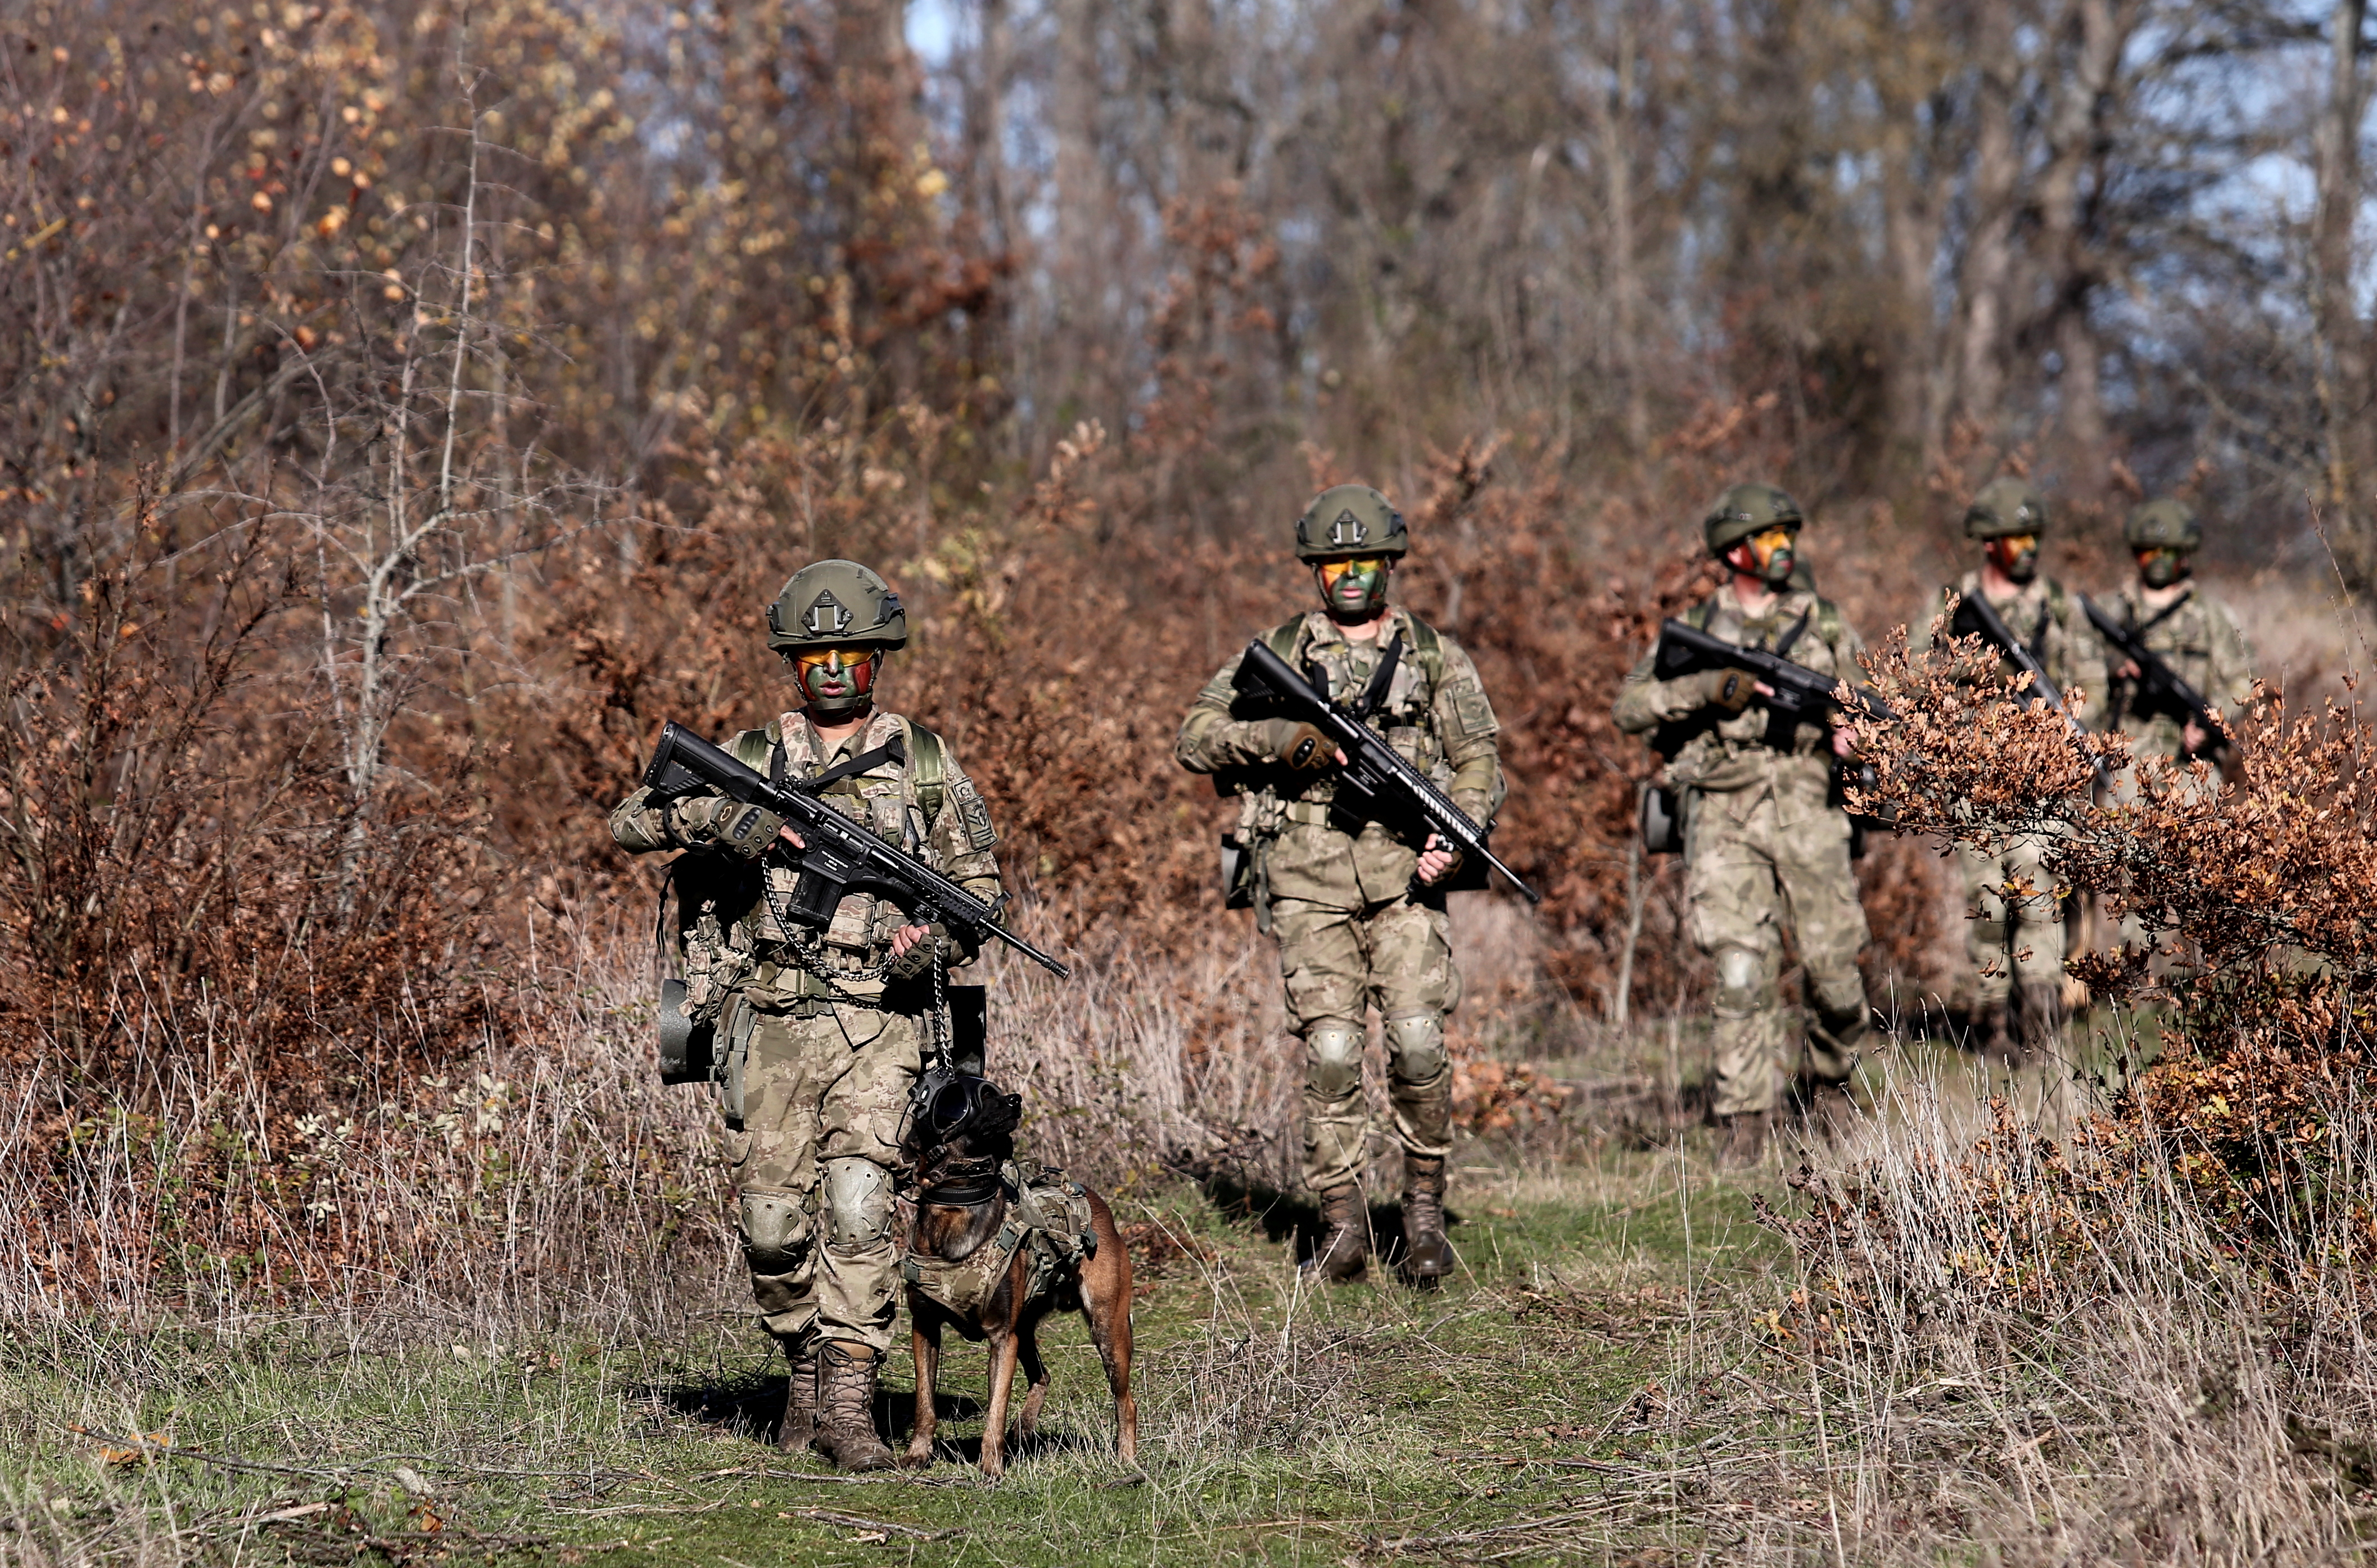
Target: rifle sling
[892,751]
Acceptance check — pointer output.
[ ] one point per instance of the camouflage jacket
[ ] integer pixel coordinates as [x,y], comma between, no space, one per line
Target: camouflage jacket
[729,936]
[1714,752]
[1435,715]
[2051,624]
[2199,640]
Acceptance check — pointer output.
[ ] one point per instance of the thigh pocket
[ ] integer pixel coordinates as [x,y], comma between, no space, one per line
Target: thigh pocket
[735,1026]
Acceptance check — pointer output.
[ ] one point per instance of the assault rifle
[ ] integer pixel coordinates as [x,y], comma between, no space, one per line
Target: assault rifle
[2165,688]
[1800,692]
[1376,785]
[839,854]
[1976,615]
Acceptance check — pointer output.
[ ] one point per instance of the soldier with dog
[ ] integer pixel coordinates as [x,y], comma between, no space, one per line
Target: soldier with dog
[820,1032]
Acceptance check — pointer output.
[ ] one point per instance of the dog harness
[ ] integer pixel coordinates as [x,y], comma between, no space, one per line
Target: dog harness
[1048,1216]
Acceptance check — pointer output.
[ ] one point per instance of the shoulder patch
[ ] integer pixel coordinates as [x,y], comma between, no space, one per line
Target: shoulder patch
[973,814]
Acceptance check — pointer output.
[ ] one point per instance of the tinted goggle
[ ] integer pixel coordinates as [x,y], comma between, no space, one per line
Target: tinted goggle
[1332,570]
[2018,543]
[832,659]
[1777,537]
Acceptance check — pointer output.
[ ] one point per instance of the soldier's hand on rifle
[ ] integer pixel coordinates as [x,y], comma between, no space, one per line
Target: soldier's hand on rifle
[792,838]
[1845,740]
[2194,737]
[1436,862]
[1301,746]
[740,829]
[1730,689]
[2127,670]
[911,952]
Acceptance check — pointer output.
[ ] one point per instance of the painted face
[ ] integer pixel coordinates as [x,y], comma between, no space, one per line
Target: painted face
[1770,554]
[2017,555]
[2159,565]
[1354,589]
[836,682]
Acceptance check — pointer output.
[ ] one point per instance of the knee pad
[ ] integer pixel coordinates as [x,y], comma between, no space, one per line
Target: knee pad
[1742,986]
[1333,1060]
[1848,1027]
[1416,1047]
[775,1232]
[857,1204]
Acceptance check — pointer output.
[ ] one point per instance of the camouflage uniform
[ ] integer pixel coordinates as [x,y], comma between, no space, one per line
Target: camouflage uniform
[1766,850]
[2200,640]
[2015,931]
[1352,932]
[820,1050]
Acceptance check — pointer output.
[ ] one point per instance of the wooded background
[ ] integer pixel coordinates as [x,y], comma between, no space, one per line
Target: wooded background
[409,405]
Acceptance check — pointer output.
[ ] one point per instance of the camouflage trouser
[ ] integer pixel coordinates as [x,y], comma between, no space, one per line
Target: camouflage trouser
[821,1101]
[2015,930]
[2123,791]
[1748,878]
[1338,964]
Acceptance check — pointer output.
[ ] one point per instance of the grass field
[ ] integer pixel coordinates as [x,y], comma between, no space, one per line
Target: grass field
[1630,1366]
[1524,1410]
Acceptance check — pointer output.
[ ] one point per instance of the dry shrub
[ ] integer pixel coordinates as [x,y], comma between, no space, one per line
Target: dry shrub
[2256,890]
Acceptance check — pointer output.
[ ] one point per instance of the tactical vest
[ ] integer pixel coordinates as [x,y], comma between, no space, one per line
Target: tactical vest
[1045,1213]
[717,892]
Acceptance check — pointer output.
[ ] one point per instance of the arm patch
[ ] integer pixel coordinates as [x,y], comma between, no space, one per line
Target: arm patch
[972,814]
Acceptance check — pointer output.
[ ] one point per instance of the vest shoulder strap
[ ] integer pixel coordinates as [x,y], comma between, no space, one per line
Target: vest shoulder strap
[1282,639]
[928,767]
[1427,647]
[751,748]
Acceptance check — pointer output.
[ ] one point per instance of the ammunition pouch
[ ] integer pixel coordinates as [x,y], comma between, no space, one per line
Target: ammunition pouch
[1659,815]
[689,1047]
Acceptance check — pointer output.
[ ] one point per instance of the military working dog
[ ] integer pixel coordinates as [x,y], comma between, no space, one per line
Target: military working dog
[993,1247]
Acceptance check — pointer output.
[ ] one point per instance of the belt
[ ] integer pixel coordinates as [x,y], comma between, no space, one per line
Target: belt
[1315,813]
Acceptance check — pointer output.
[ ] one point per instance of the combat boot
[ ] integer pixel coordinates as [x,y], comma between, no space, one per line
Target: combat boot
[1744,1142]
[798,1431]
[1344,1251]
[1427,1256]
[2042,1018]
[845,1407]
[1992,1030]
[1832,1111]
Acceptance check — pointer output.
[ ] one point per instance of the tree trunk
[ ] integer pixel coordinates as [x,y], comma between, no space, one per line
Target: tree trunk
[2341,362]
[1987,277]
[2098,30]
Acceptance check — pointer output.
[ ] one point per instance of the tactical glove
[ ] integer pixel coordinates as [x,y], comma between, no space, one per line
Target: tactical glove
[1298,746]
[747,830]
[918,960]
[1728,689]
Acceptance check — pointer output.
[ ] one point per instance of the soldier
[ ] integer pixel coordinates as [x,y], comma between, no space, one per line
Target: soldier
[1766,840]
[822,1030]
[2014,934]
[1359,915]
[2192,632]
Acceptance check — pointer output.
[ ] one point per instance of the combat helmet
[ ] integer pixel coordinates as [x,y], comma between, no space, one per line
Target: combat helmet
[2167,523]
[2004,507]
[1745,511]
[836,604]
[1350,519]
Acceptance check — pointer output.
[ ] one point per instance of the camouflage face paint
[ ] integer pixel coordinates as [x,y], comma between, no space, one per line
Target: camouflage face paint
[2017,555]
[1773,552]
[835,682]
[2159,565]
[1354,589]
